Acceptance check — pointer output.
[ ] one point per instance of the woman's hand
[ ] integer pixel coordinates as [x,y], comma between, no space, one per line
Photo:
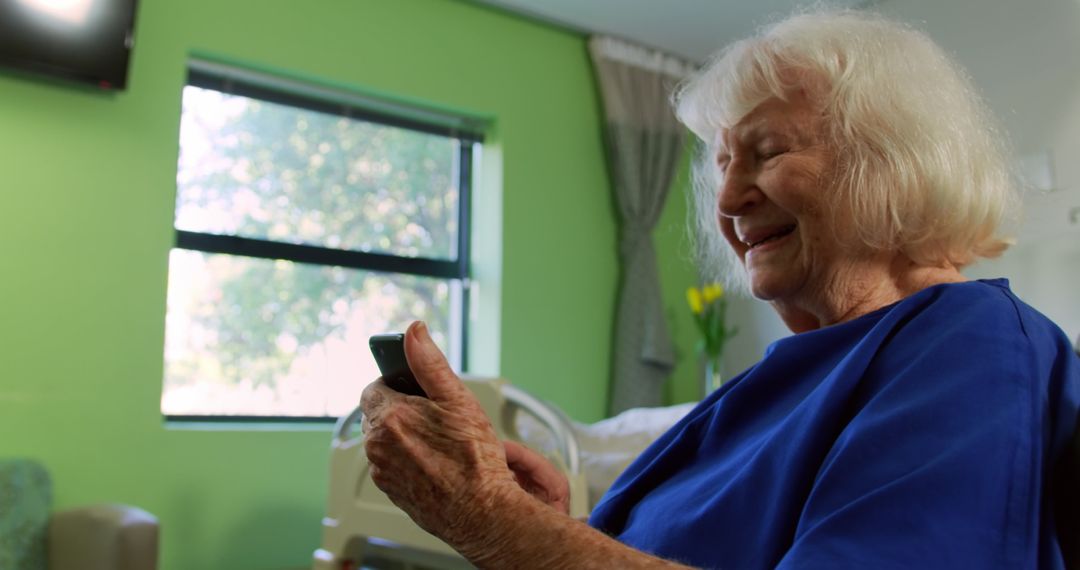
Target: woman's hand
[538,477]
[437,458]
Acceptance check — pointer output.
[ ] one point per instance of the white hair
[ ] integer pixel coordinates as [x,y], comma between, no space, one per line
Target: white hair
[922,163]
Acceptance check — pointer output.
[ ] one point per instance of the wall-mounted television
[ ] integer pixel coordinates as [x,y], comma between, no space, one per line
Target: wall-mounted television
[88,41]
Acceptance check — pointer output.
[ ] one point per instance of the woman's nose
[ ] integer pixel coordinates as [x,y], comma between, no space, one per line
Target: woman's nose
[738,191]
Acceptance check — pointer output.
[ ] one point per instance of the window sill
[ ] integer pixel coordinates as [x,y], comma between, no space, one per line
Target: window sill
[252,425]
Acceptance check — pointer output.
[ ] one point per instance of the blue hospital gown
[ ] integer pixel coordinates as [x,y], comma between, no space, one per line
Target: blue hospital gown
[917,436]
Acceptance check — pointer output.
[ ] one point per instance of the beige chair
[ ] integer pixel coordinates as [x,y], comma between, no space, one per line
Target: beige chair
[97,537]
[362,524]
[103,537]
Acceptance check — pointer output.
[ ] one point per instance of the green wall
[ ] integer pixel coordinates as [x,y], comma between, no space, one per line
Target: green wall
[86,225]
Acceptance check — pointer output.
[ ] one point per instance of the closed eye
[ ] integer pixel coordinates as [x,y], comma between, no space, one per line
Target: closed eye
[770,154]
[722,162]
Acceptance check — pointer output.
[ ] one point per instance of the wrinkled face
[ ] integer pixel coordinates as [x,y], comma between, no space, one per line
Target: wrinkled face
[773,200]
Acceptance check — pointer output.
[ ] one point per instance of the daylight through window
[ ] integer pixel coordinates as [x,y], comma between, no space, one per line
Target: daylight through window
[303,226]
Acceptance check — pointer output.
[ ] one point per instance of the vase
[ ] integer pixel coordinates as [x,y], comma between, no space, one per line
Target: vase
[713,377]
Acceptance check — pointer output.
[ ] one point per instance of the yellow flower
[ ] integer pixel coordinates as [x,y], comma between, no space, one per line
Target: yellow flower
[693,296]
[712,292]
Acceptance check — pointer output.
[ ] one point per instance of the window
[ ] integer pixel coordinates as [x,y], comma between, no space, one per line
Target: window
[306,221]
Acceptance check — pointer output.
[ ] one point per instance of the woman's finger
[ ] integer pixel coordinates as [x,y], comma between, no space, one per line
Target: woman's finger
[375,398]
[520,457]
[430,367]
[537,475]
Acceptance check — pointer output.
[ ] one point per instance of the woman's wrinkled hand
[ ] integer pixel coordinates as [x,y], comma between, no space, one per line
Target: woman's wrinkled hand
[436,458]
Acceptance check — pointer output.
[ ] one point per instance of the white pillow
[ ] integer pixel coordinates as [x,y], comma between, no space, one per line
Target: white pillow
[607,447]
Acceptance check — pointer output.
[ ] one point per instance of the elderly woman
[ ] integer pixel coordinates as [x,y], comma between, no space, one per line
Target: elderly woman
[913,420]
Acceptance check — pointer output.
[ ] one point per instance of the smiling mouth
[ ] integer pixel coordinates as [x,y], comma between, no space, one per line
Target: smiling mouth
[784,231]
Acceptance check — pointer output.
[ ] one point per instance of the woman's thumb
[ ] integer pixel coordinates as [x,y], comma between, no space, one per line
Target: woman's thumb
[428,363]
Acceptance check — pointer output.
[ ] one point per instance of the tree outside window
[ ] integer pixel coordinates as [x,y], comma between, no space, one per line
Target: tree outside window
[281,332]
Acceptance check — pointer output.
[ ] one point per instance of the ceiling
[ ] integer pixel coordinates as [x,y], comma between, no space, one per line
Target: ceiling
[692,29]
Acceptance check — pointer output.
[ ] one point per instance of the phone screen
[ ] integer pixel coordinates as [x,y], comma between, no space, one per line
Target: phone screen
[389,353]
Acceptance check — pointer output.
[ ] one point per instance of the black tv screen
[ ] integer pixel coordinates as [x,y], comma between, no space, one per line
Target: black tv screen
[82,40]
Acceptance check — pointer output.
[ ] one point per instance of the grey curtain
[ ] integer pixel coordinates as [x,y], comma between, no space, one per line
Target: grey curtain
[644,141]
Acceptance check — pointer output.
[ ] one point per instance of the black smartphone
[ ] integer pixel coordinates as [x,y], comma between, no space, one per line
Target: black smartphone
[389,352]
